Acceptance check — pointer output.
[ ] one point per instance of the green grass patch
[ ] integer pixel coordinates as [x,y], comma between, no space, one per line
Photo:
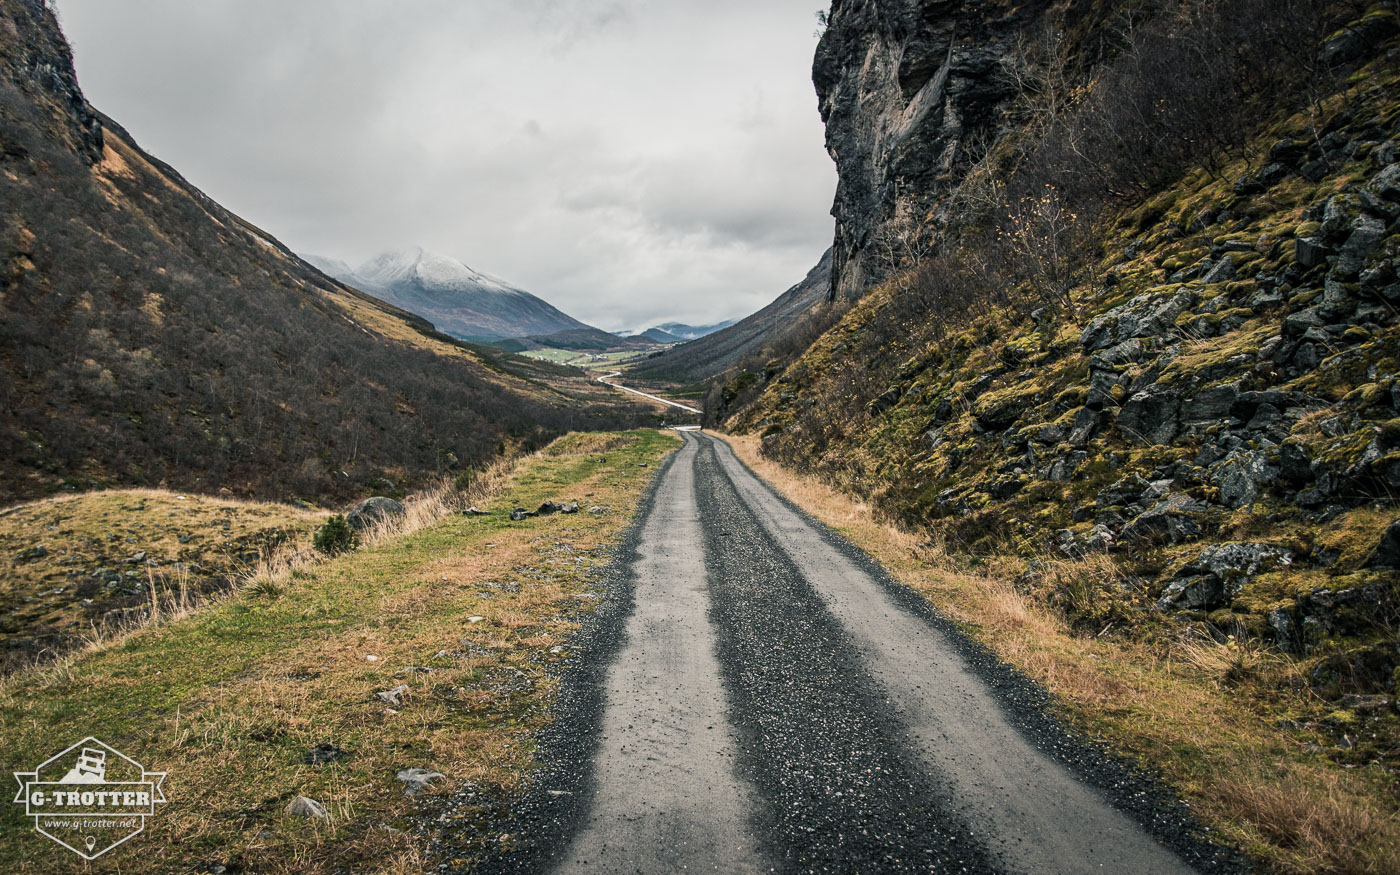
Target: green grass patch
[230,700]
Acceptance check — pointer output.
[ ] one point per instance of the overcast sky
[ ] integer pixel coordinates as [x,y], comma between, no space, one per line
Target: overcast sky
[631,162]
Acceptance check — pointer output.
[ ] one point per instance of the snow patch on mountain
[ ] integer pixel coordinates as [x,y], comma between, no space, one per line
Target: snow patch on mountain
[430,270]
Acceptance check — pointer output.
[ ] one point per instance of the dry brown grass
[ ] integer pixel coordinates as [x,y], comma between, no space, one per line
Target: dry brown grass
[1202,714]
[1307,812]
[54,600]
[229,698]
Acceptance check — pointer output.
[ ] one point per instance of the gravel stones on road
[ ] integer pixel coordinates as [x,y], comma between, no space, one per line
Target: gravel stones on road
[842,794]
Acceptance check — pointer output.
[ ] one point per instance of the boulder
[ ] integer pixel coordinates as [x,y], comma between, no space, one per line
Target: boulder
[1337,213]
[1366,233]
[1151,416]
[1290,152]
[1241,476]
[374,510]
[1387,552]
[1124,491]
[1118,355]
[1171,520]
[1201,592]
[1146,315]
[1222,271]
[1358,38]
[38,551]
[324,753]
[520,514]
[1087,423]
[1210,403]
[1285,628]
[1309,252]
[1386,184]
[1100,539]
[1216,576]
[1062,469]
[1294,464]
[889,398]
[997,412]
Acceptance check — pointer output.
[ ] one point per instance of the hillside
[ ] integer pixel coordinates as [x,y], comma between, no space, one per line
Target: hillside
[723,349]
[658,335]
[1125,335]
[149,337]
[457,299]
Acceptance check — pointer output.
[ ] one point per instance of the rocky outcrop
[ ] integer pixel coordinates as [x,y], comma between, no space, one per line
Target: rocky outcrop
[1215,408]
[907,88]
[39,60]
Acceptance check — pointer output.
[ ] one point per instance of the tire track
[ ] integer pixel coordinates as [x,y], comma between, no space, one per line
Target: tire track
[979,727]
[840,792]
[666,797]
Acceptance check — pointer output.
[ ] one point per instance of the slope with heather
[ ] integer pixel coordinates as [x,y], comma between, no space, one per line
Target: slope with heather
[148,336]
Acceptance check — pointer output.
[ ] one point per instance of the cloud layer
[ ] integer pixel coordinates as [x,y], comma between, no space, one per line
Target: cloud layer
[631,161]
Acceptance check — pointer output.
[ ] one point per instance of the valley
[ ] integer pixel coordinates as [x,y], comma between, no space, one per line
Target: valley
[1048,523]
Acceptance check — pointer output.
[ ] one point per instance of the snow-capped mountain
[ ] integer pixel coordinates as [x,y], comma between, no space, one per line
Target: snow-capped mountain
[460,301]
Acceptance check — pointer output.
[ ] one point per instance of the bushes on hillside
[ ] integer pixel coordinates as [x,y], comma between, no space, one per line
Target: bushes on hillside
[336,536]
[157,342]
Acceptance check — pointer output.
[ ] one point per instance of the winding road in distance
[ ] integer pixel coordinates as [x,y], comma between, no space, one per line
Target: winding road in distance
[606,377]
[776,703]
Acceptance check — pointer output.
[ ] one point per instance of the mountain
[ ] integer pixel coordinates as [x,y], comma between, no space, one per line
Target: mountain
[331,267]
[458,300]
[149,336]
[657,335]
[691,332]
[715,353]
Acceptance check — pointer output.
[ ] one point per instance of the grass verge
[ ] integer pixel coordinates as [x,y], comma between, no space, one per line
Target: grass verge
[82,567]
[1212,719]
[469,613]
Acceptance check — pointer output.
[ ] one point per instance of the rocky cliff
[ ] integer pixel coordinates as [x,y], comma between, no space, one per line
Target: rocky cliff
[910,91]
[35,57]
[1206,403]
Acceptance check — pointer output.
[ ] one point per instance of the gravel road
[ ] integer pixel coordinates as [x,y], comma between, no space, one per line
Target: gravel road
[764,698]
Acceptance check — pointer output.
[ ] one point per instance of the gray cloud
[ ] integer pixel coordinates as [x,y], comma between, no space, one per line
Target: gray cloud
[630,161]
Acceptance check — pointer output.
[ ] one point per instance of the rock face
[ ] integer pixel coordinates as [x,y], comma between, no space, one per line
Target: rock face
[47,62]
[1387,552]
[1217,415]
[906,88]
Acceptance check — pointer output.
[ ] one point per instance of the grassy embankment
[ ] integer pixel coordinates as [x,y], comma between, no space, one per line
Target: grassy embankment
[229,700]
[1205,716]
[81,567]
